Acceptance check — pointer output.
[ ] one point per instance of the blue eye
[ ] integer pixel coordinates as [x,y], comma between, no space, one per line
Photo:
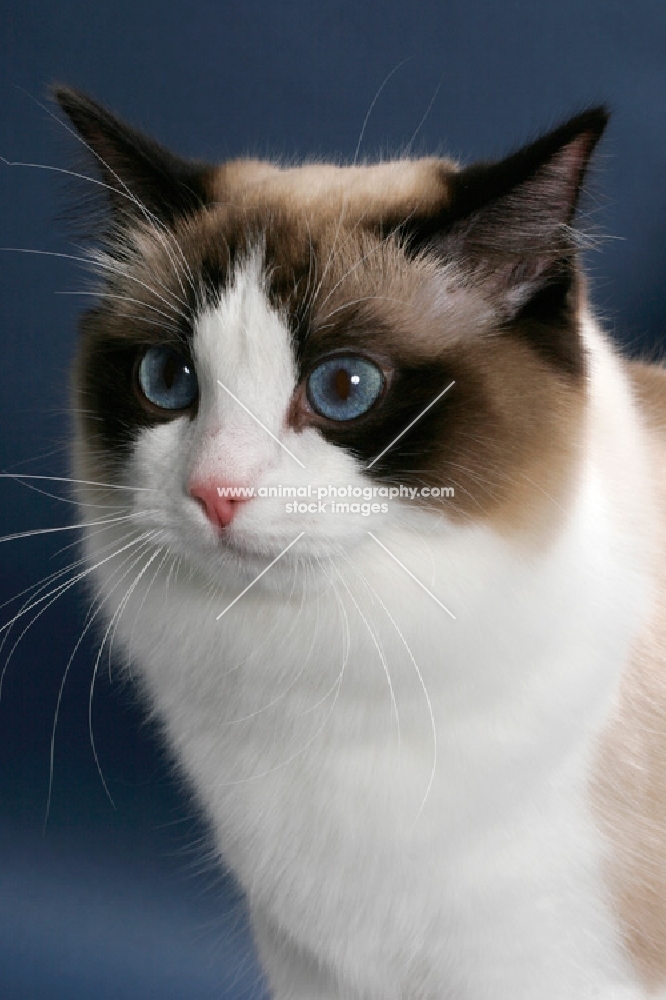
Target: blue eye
[344,387]
[167,379]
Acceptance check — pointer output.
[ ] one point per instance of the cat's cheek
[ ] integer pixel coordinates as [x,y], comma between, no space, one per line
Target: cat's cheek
[156,467]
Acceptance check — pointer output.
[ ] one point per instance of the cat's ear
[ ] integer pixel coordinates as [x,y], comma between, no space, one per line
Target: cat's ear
[508,225]
[143,178]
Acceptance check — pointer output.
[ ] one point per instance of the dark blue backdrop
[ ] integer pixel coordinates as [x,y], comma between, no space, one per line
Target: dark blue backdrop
[122,902]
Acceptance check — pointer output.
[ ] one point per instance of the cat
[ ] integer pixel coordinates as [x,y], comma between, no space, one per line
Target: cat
[428,732]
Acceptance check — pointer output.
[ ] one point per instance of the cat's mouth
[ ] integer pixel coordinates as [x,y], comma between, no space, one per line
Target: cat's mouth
[248,551]
[247,542]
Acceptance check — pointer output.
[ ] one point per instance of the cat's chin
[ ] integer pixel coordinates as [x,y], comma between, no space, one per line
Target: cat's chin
[257,552]
[264,567]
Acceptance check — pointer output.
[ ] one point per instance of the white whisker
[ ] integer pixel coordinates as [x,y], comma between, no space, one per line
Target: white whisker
[85,482]
[372,105]
[101,262]
[64,527]
[431,713]
[425,115]
[380,653]
[114,619]
[144,539]
[63,587]
[123,298]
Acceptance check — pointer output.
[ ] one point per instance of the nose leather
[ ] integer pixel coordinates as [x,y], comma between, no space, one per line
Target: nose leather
[220,510]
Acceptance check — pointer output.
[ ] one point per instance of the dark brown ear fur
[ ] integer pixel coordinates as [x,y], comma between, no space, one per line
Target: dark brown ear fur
[144,179]
[507,229]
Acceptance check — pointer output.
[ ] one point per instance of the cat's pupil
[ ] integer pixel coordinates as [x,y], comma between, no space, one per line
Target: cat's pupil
[169,373]
[342,383]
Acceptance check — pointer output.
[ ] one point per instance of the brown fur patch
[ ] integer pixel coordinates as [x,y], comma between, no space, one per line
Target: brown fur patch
[630,788]
[348,194]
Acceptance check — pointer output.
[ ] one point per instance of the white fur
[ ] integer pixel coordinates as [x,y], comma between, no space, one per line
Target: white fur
[403,797]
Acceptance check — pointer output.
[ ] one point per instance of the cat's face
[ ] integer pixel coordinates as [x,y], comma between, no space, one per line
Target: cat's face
[406,324]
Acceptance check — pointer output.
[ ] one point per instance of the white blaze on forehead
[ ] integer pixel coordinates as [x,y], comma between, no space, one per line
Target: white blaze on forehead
[244,343]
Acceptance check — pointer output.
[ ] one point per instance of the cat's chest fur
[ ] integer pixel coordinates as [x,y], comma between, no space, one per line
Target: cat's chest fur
[372,766]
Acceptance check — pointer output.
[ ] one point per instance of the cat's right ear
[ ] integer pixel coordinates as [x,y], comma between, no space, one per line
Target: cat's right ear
[142,178]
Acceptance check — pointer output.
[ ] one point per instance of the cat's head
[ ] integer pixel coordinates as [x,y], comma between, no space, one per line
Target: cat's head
[276,328]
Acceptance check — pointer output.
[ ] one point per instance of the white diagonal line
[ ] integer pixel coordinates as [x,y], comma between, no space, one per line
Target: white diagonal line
[409,426]
[284,551]
[409,573]
[251,414]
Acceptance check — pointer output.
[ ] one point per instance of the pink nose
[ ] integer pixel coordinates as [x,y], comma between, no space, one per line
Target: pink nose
[220,501]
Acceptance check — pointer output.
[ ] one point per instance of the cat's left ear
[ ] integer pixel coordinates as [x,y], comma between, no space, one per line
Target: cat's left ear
[507,226]
[142,178]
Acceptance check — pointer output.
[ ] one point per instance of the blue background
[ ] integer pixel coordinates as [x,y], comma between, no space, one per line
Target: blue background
[124,902]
